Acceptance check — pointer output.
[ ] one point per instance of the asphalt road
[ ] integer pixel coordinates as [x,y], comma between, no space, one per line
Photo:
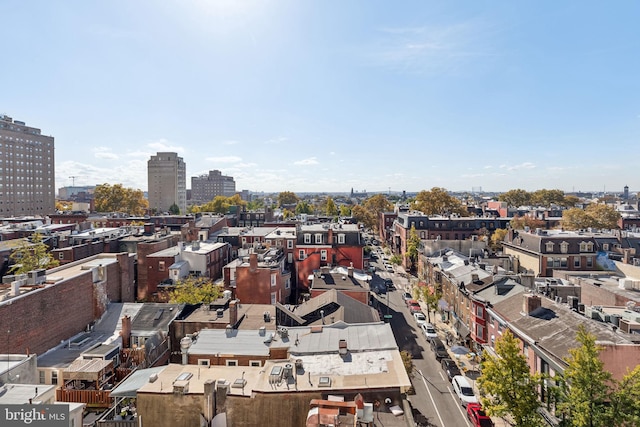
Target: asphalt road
[434,402]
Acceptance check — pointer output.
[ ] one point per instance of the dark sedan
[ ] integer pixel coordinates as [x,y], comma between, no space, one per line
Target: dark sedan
[450,368]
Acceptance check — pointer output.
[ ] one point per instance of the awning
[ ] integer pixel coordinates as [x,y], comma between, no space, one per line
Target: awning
[462,329]
[443,305]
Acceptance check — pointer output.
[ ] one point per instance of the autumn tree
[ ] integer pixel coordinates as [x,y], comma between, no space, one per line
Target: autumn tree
[116,198]
[63,205]
[586,396]
[364,216]
[221,204]
[330,208]
[522,221]
[31,255]
[374,206]
[345,210]
[507,385]
[625,400]
[437,201]
[497,237]
[515,198]
[596,215]
[195,290]
[287,198]
[303,208]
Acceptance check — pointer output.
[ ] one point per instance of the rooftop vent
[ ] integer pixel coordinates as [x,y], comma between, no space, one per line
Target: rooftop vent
[324,382]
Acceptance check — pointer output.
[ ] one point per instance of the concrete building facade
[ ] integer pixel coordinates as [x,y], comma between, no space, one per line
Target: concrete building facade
[167,182]
[27,169]
[205,188]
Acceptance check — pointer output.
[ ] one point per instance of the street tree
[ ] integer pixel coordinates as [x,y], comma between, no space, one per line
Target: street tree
[364,216]
[431,297]
[31,255]
[437,201]
[588,387]
[515,198]
[116,198]
[548,198]
[375,205]
[287,198]
[625,401]
[195,290]
[596,215]
[507,385]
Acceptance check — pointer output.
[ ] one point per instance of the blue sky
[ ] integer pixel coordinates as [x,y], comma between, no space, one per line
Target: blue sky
[332,95]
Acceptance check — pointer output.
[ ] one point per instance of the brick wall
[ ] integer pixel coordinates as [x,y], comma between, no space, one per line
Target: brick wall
[143,249]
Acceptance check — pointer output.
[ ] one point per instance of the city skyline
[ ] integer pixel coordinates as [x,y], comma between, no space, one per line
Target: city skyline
[328,96]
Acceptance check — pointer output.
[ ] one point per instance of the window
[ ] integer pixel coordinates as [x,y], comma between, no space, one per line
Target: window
[287,284]
[605,246]
[307,238]
[161,266]
[479,330]
[563,263]
[564,247]
[41,377]
[525,349]
[232,363]
[479,311]
[341,239]
[61,255]
[323,255]
[255,363]
[318,239]
[289,244]
[549,246]
[589,262]
[576,262]
[54,377]
[274,276]
[422,235]
[301,254]
[203,362]
[273,298]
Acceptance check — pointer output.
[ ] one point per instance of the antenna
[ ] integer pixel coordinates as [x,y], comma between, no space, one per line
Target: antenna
[73,180]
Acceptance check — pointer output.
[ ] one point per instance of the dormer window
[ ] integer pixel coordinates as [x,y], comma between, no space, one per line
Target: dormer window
[549,246]
[307,238]
[318,239]
[341,239]
[564,247]
[586,247]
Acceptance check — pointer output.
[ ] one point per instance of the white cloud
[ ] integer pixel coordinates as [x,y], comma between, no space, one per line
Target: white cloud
[308,161]
[165,146]
[104,153]
[525,165]
[224,159]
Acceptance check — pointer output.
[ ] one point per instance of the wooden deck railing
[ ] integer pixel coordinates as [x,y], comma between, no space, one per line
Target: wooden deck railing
[93,398]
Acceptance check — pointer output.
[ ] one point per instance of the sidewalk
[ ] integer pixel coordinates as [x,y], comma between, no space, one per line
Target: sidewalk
[469,368]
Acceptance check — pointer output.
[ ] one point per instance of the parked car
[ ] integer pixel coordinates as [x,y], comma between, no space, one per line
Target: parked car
[389,284]
[450,368]
[406,296]
[429,331]
[389,268]
[438,348]
[415,308]
[463,390]
[420,318]
[410,301]
[379,289]
[477,416]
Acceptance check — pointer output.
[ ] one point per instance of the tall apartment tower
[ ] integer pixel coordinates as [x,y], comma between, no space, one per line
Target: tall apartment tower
[27,173]
[205,188]
[167,180]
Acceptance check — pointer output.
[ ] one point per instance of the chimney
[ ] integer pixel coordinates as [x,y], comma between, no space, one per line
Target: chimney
[125,332]
[350,270]
[253,262]
[530,303]
[209,400]
[148,228]
[233,312]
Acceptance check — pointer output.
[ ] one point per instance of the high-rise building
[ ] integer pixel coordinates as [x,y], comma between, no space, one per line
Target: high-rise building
[205,188]
[167,182]
[27,172]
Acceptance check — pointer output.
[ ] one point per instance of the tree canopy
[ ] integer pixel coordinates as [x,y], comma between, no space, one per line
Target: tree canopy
[330,208]
[220,204]
[596,215]
[195,290]
[520,222]
[116,198]
[507,385]
[413,245]
[517,197]
[287,198]
[437,201]
[303,208]
[32,255]
[368,213]
[544,197]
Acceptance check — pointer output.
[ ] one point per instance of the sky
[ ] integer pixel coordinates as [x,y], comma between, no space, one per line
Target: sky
[332,95]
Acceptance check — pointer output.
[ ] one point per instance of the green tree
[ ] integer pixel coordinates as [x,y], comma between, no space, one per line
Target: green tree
[431,296]
[31,255]
[437,201]
[407,361]
[625,401]
[395,259]
[515,198]
[116,198]
[174,209]
[330,208]
[287,198]
[195,290]
[413,244]
[363,216]
[345,211]
[507,385]
[588,388]
[548,198]
[303,208]
[286,214]
[596,215]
